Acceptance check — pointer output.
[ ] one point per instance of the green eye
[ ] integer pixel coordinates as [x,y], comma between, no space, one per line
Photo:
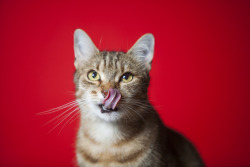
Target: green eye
[127,77]
[93,76]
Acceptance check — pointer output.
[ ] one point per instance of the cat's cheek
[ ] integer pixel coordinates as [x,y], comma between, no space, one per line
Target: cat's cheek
[129,91]
[79,94]
[132,89]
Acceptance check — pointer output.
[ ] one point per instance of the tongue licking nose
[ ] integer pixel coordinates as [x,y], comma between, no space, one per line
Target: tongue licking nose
[112,98]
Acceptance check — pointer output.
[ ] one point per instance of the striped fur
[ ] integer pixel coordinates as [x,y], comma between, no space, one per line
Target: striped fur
[133,136]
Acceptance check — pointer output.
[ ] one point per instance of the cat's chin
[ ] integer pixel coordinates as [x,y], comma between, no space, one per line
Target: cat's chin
[108,115]
[107,110]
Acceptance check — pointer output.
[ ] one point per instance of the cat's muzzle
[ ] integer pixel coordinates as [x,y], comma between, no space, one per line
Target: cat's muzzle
[109,103]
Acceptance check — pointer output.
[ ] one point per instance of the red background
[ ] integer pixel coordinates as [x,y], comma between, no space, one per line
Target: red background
[200,76]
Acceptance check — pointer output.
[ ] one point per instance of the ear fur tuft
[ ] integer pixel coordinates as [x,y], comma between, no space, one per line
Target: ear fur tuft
[143,49]
[83,46]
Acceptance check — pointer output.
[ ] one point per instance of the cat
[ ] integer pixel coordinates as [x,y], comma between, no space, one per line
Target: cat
[118,125]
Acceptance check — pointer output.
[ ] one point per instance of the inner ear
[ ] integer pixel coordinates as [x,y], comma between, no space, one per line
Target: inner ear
[84,47]
[143,49]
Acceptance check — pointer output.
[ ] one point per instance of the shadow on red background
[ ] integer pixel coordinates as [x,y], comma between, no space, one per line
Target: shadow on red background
[200,76]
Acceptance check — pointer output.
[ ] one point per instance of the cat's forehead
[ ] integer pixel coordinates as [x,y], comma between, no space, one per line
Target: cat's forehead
[111,57]
[114,61]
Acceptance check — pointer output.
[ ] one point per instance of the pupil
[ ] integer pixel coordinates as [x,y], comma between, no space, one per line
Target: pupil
[94,74]
[125,76]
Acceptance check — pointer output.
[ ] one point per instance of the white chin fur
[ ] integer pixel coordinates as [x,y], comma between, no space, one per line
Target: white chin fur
[109,117]
[94,111]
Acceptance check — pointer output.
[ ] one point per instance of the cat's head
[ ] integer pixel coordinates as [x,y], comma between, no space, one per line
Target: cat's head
[112,85]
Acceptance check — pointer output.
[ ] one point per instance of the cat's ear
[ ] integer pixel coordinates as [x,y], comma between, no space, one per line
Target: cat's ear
[143,49]
[84,47]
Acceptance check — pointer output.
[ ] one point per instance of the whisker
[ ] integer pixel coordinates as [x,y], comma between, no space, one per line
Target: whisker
[100,42]
[133,110]
[69,120]
[58,108]
[71,107]
[127,112]
[60,114]
[66,116]
[142,103]
[69,110]
[77,116]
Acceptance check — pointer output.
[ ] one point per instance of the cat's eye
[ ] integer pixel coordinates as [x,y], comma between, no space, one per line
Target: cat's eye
[127,77]
[93,76]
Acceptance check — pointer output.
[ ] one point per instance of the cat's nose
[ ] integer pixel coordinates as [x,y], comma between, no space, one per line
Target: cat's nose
[105,88]
[105,93]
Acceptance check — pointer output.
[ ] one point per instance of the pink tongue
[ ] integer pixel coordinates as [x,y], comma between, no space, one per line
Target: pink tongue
[111,99]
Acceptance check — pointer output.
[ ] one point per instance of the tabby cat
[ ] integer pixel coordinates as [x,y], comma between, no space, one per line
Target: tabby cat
[118,125]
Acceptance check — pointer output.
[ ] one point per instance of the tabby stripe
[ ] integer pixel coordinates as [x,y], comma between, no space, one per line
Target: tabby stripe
[86,135]
[104,59]
[97,67]
[88,157]
[131,157]
[104,157]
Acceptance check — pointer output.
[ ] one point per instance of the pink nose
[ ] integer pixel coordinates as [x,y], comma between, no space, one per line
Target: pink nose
[112,97]
[105,93]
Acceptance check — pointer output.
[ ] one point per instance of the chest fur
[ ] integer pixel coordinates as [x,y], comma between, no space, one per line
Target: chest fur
[106,145]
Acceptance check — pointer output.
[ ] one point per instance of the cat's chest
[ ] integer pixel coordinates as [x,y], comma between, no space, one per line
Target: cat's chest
[103,133]
[106,145]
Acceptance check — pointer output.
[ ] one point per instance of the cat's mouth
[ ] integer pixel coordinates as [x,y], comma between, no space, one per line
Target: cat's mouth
[111,100]
[107,110]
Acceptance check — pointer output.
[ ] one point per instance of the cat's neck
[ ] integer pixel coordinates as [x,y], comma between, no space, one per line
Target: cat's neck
[106,132]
